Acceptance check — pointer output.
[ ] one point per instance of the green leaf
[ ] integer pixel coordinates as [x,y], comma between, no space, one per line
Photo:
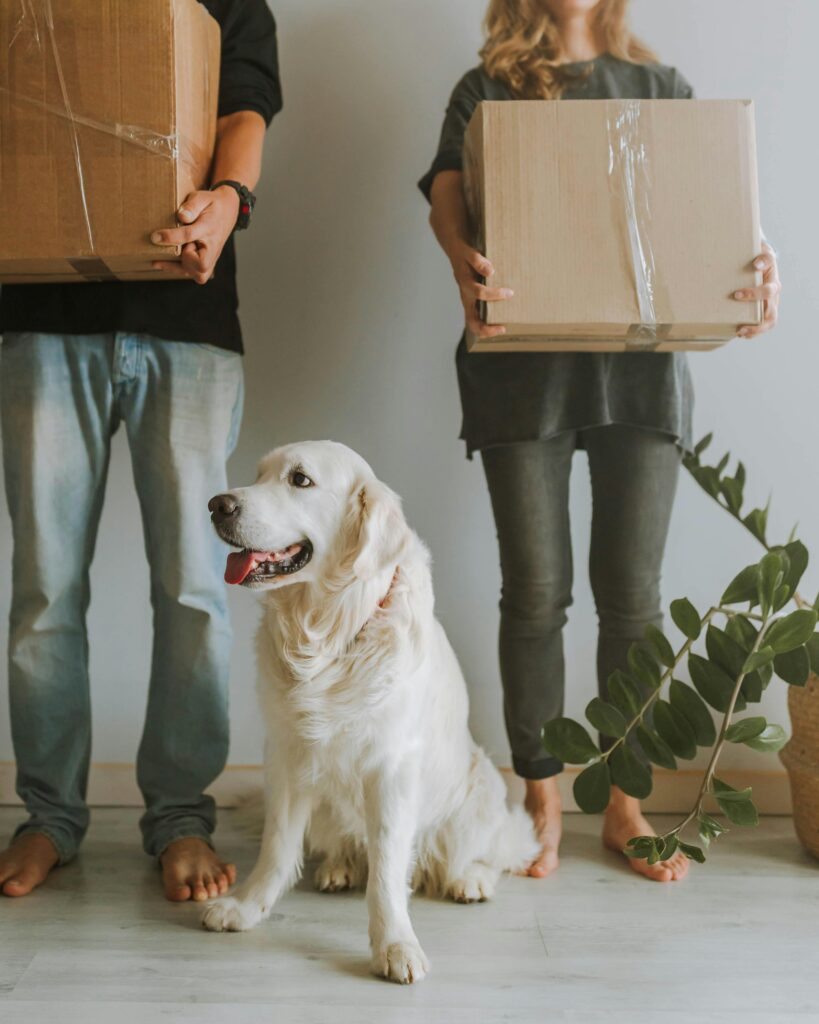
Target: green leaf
[725,651]
[640,847]
[709,828]
[655,748]
[745,729]
[770,576]
[723,462]
[660,645]
[726,792]
[754,685]
[813,652]
[692,852]
[701,445]
[713,684]
[670,847]
[736,804]
[794,666]
[792,630]
[690,704]
[742,630]
[781,597]
[673,727]
[708,478]
[606,718]
[643,666]
[686,618]
[771,739]
[743,587]
[592,788]
[758,659]
[798,557]
[757,523]
[739,812]
[624,694]
[732,492]
[568,741]
[629,773]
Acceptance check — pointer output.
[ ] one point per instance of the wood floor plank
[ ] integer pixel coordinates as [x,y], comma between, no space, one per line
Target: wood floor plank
[737,941]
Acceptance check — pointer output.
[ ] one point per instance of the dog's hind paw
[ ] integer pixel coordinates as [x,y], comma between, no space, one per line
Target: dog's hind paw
[336,876]
[403,962]
[476,885]
[231,915]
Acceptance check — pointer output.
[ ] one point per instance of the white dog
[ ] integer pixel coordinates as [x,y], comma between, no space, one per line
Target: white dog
[368,753]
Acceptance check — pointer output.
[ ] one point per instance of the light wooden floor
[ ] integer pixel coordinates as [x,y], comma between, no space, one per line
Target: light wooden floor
[737,941]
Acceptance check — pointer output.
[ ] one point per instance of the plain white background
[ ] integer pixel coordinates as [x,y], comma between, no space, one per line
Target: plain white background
[351,320]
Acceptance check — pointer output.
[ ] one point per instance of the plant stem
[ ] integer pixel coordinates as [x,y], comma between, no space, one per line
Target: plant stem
[705,788]
[705,621]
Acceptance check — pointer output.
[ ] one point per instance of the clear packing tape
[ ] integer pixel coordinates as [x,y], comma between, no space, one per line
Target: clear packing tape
[35,31]
[630,183]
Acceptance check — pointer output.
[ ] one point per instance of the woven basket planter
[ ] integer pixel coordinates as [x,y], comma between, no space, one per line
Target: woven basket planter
[801,758]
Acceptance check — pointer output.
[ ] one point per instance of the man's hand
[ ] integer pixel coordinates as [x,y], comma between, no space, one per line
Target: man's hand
[208,218]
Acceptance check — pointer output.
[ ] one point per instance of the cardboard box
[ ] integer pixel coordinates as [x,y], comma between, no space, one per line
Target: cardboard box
[107,122]
[619,224]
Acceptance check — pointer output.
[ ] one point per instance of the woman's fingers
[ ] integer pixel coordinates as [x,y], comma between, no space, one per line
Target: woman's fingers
[765,292]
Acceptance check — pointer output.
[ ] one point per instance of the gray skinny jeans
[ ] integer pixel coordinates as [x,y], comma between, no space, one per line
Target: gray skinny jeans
[634,475]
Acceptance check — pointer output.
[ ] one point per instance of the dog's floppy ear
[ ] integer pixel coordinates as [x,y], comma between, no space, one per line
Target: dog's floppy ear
[383,532]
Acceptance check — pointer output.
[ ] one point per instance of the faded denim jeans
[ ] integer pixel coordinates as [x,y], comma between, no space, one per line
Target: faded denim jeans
[634,475]
[62,398]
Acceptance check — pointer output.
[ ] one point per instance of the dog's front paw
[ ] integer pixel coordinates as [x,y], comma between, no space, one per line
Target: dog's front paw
[403,962]
[231,915]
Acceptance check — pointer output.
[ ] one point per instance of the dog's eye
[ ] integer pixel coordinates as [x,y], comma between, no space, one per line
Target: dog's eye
[299,479]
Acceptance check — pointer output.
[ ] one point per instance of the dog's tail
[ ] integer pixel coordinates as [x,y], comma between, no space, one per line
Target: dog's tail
[516,845]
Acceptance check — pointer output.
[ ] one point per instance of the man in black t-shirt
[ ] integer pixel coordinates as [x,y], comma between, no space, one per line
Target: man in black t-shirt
[164,358]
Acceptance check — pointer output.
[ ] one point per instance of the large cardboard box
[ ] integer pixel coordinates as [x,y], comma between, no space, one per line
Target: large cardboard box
[107,121]
[619,224]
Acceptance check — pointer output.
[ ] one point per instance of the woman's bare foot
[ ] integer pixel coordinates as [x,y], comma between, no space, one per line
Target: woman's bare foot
[192,871]
[623,821]
[542,803]
[26,863]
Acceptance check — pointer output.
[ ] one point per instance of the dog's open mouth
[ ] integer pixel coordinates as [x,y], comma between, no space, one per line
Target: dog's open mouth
[257,566]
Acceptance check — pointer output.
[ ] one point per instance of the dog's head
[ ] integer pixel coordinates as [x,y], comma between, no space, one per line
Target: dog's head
[315,509]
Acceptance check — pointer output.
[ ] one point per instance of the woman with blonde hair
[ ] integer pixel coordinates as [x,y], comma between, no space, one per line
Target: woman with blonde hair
[527,413]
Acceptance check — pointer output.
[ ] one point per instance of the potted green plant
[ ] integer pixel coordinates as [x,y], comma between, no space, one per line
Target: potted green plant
[759,628]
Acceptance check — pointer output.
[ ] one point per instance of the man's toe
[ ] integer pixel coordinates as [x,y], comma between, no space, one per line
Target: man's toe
[230,871]
[21,882]
[178,892]
[200,893]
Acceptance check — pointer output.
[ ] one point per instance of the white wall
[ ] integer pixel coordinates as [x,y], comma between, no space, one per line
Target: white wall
[351,321]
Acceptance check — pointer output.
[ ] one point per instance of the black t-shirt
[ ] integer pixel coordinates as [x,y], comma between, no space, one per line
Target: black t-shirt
[173,310]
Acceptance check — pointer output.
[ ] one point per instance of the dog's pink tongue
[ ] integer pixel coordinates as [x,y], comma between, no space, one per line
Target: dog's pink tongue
[239,564]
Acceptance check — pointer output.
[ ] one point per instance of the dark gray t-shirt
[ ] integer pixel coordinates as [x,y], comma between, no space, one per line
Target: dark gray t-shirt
[524,396]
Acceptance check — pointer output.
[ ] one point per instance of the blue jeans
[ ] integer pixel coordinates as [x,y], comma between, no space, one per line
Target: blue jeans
[61,400]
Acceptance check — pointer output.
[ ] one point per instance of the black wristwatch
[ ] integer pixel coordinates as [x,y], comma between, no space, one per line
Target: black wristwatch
[246,202]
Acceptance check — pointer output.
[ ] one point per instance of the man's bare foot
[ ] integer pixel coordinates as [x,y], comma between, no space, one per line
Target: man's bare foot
[542,803]
[26,863]
[623,821]
[192,871]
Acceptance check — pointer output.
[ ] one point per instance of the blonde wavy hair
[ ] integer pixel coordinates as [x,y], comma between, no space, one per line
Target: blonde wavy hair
[522,46]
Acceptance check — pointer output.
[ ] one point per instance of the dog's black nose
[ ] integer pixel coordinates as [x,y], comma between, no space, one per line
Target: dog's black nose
[223,507]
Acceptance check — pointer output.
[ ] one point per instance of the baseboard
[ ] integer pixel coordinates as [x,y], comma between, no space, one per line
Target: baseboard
[114,785]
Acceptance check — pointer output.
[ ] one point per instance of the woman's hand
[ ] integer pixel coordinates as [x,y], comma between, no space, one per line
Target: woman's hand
[208,218]
[768,292]
[469,266]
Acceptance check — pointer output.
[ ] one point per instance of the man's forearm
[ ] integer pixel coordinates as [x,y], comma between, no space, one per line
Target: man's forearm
[239,143]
